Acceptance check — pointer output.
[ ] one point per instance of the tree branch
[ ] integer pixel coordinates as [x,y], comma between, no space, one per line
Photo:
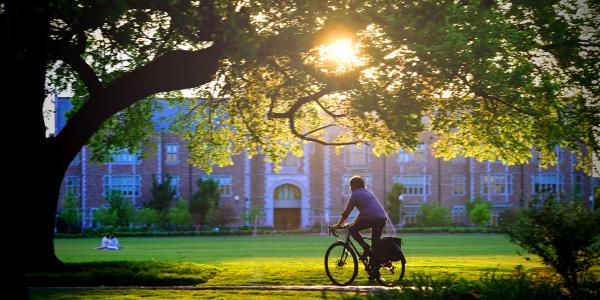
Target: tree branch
[175,70]
[65,53]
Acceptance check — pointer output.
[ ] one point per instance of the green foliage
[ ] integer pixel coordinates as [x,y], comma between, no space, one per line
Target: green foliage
[393,204]
[494,80]
[219,216]
[567,238]
[434,214]
[203,200]
[163,196]
[180,214]
[120,211]
[121,273]
[254,212]
[480,213]
[70,211]
[148,216]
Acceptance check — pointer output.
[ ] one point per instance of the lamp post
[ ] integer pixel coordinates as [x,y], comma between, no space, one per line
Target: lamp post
[400,199]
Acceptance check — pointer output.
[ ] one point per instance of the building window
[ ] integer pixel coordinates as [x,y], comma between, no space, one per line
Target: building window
[224,182]
[290,161]
[577,185]
[356,155]
[459,184]
[287,192]
[128,185]
[73,185]
[544,184]
[459,215]
[174,183]
[496,184]
[122,156]
[414,185]
[405,156]
[172,154]
[346,183]
[409,217]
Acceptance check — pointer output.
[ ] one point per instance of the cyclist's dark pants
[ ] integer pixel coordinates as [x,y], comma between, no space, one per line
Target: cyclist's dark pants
[362,224]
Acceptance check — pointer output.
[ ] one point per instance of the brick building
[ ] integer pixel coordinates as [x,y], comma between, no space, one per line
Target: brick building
[313,189]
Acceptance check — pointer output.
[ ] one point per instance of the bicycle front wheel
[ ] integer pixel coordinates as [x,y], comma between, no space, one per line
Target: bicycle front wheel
[341,264]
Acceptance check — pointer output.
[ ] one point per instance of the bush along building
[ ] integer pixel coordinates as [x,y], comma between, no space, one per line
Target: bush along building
[312,190]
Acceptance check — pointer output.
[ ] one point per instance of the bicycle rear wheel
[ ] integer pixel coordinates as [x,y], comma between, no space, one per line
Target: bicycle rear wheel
[391,272]
[341,264]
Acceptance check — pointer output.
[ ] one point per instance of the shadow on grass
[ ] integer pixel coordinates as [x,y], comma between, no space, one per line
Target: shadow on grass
[123,273]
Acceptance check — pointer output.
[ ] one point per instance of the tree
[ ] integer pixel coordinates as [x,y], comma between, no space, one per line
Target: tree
[148,216]
[163,196]
[567,238]
[494,80]
[393,204]
[219,216]
[434,214]
[119,211]
[70,211]
[479,214]
[179,214]
[204,199]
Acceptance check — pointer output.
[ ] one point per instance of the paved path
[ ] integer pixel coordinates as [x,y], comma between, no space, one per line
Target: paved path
[363,289]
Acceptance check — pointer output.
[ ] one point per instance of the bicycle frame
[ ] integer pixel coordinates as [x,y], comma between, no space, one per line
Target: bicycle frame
[348,242]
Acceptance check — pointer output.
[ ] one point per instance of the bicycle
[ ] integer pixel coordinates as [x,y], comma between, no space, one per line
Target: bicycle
[341,263]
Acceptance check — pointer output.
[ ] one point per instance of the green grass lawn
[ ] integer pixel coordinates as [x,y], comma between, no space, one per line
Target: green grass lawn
[298,260]
[284,260]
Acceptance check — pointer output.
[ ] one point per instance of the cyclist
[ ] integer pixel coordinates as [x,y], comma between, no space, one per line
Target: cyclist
[371,215]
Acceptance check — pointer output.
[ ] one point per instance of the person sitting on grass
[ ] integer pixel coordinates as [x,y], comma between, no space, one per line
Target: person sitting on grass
[105,242]
[113,243]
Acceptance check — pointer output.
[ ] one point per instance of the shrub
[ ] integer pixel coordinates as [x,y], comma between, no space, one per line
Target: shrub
[118,213]
[433,214]
[69,213]
[567,238]
[393,204]
[220,216]
[179,214]
[480,213]
[163,195]
[148,216]
[203,200]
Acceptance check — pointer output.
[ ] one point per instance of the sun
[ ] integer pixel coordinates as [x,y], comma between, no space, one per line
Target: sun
[339,56]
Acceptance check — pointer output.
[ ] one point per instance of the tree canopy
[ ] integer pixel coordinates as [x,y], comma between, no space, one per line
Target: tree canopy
[493,80]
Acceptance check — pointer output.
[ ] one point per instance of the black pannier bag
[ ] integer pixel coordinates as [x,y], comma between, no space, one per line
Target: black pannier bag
[389,248]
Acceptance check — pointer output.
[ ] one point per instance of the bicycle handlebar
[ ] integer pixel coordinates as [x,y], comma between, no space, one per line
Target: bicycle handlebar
[333,229]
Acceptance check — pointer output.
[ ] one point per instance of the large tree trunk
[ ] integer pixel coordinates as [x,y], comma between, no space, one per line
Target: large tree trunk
[36,170]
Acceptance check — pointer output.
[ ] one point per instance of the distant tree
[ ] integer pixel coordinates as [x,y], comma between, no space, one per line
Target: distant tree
[204,199]
[179,214]
[393,204]
[69,213]
[148,216]
[567,238]
[219,216]
[254,212]
[479,214]
[163,196]
[434,214]
[119,212]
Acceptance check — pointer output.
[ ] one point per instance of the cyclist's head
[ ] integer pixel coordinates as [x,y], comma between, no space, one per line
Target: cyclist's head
[356,182]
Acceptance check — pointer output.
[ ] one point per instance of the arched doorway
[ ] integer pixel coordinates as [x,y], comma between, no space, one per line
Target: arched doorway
[287,207]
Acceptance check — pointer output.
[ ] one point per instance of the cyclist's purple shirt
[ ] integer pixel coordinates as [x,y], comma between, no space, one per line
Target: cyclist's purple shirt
[367,204]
